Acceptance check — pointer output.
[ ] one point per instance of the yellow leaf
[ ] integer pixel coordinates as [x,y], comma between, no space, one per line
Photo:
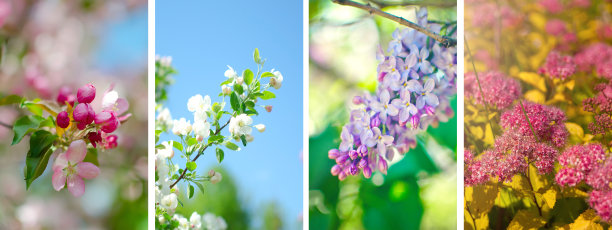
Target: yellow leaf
[587,220]
[527,219]
[520,184]
[488,137]
[539,182]
[550,197]
[477,131]
[570,84]
[480,198]
[574,129]
[538,20]
[573,192]
[588,137]
[533,79]
[535,96]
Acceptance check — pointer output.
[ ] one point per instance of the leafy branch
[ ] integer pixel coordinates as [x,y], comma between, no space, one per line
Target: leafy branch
[436,3]
[445,41]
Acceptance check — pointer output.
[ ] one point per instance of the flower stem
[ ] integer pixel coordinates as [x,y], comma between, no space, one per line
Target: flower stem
[484,101]
[529,122]
[198,156]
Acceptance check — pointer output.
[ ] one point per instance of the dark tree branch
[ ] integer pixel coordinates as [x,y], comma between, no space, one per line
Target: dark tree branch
[444,40]
[5,125]
[436,3]
[198,156]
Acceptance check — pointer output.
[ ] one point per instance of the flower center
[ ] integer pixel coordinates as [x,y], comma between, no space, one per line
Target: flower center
[423,94]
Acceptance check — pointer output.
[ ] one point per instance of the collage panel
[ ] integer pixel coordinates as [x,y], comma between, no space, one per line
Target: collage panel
[382,115]
[537,121]
[228,128]
[73,114]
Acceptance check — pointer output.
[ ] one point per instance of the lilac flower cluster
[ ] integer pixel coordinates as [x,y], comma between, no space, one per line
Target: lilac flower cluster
[415,83]
[500,90]
[547,122]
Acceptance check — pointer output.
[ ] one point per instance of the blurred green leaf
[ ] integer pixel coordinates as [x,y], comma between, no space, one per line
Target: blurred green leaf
[25,125]
[41,148]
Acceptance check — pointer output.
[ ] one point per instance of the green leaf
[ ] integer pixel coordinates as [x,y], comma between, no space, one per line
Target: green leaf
[238,89]
[200,186]
[191,190]
[251,112]
[25,125]
[267,95]
[191,166]
[177,145]
[216,107]
[227,81]
[92,156]
[256,56]
[243,138]
[192,141]
[267,74]
[235,102]
[231,146]
[220,155]
[249,104]
[215,138]
[11,99]
[248,76]
[41,148]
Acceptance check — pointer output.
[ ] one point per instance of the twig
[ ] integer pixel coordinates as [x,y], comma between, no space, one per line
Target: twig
[5,125]
[198,156]
[484,101]
[444,40]
[437,3]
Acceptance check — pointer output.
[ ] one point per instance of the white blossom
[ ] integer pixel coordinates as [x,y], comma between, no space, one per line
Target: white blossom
[169,201]
[241,125]
[199,103]
[277,80]
[181,127]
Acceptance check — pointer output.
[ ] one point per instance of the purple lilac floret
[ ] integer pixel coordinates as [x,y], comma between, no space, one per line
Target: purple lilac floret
[415,82]
[547,122]
[499,90]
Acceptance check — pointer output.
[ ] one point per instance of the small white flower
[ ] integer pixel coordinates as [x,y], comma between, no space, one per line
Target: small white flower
[181,127]
[231,73]
[226,89]
[201,129]
[195,221]
[216,178]
[167,151]
[241,125]
[161,219]
[249,138]
[277,80]
[261,128]
[183,223]
[169,201]
[240,80]
[198,103]
[164,117]
[213,222]
[164,61]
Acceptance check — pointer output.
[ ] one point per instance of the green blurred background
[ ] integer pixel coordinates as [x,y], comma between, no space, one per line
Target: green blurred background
[420,191]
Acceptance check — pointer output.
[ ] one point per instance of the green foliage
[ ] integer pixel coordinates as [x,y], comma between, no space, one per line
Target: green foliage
[25,125]
[220,155]
[41,148]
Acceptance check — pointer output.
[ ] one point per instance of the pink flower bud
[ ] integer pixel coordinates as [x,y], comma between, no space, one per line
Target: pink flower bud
[342,158]
[81,113]
[335,170]
[357,100]
[341,176]
[269,108]
[367,172]
[111,142]
[362,163]
[382,165]
[94,138]
[108,121]
[353,154]
[333,154]
[63,95]
[211,173]
[86,94]
[63,120]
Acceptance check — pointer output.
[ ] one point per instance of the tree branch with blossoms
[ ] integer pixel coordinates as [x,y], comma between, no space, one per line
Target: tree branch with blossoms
[244,92]
[445,41]
[435,3]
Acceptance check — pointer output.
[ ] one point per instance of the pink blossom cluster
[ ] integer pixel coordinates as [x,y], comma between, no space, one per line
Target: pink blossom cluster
[601,106]
[596,57]
[512,155]
[547,122]
[552,6]
[499,90]
[601,202]
[558,65]
[509,17]
[98,126]
[577,161]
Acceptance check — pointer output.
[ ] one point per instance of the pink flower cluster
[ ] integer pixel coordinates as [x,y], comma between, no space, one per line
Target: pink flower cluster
[597,56]
[99,125]
[601,106]
[558,66]
[577,161]
[601,201]
[500,90]
[512,155]
[548,122]
[509,17]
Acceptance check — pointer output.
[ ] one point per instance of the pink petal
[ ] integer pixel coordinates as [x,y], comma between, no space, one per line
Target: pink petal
[124,118]
[76,151]
[58,180]
[87,170]
[76,186]
[122,106]
[60,162]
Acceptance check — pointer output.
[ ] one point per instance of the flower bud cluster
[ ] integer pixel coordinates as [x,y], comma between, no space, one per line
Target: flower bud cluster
[499,90]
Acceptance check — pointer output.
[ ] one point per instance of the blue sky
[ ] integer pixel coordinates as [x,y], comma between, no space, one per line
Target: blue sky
[203,37]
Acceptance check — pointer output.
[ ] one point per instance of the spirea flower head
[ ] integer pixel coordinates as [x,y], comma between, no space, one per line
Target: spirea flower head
[600,178]
[474,172]
[499,90]
[593,56]
[558,66]
[601,201]
[548,122]
[518,149]
[414,85]
[577,161]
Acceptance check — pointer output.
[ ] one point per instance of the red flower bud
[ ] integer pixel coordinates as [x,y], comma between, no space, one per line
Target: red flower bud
[63,120]
[86,94]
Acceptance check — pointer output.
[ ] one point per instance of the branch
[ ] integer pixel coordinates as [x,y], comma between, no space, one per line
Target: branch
[198,156]
[444,40]
[5,125]
[437,3]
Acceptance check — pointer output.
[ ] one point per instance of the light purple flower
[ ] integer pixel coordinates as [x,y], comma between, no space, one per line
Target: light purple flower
[425,95]
[384,107]
[445,61]
[347,140]
[421,55]
[381,141]
[406,109]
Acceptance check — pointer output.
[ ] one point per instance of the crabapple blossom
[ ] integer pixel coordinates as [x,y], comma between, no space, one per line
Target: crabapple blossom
[277,80]
[69,169]
[63,120]
[181,127]
[215,177]
[195,221]
[201,129]
[231,73]
[169,201]
[260,127]
[226,90]
[240,125]
[86,94]
[199,103]
[213,222]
